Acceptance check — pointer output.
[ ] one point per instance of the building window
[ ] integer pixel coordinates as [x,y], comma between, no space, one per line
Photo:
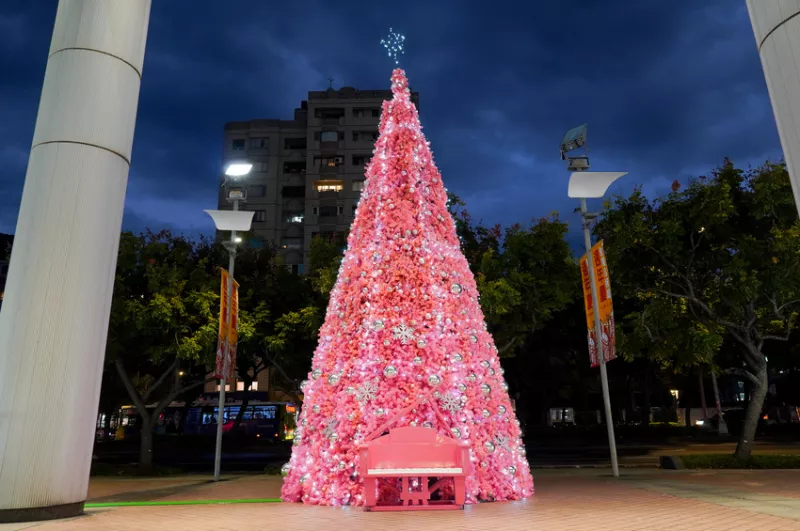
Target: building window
[329,113]
[260,167]
[238,144]
[358,186]
[292,243]
[315,211]
[257,191]
[329,136]
[328,211]
[359,160]
[296,269]
[294,143]
[328,186]
[365,136]
[259,216]
[240,386]
[293,191]
[227,387]
[293,217]
[340,210]
[376,113]
[328,161]
[259,143]
[294,167]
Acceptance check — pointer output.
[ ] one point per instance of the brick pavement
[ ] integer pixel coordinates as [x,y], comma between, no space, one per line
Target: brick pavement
[574,499]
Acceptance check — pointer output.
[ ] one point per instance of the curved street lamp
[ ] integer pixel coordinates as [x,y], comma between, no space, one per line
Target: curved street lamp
[234,221]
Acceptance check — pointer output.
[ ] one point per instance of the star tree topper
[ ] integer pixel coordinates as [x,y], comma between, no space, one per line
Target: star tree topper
[394,45]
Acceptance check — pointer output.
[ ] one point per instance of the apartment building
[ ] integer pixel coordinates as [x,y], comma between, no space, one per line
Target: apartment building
[308,172]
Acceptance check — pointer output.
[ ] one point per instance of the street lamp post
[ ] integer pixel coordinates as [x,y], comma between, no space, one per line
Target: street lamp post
[585,185]
[233,221]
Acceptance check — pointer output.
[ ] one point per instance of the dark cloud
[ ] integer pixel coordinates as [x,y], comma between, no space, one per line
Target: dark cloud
[668,89]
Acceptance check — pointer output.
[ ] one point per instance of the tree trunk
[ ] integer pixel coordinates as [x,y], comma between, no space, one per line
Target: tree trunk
[702,396]
[145,467]
[753,413]
[245,402]
[722,427]
[646,391]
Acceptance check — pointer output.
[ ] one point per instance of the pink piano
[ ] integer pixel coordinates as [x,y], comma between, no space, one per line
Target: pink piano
[415,456]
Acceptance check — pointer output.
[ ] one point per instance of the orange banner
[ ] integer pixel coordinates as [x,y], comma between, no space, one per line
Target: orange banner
[233,333]
[222,340]
[604,302]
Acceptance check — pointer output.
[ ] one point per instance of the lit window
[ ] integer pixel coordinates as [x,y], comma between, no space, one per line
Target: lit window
[329,186]
[292,243]
[358,186]
[227,387]
[293,217]
[240,386]
[329,161]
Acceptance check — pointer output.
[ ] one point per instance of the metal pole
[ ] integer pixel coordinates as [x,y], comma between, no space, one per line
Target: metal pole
[226,361]
[598,330]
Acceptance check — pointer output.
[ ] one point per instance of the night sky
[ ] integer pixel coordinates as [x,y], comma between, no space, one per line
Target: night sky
[668,90]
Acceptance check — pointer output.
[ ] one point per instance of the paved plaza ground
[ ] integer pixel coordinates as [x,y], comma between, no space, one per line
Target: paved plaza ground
[565,499]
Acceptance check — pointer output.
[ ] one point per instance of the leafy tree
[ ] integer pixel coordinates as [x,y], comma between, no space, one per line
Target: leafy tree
[268,290]
[723,255]
[292,339]
[163,324]
[524,275]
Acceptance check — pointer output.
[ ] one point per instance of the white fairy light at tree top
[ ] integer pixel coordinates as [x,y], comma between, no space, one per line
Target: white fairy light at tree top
[394,45]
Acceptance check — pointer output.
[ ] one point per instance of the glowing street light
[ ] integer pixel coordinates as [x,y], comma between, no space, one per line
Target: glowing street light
[238,168]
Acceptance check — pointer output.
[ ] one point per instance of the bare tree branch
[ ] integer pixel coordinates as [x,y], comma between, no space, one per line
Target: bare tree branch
[507,346]
[703,306]
[137,399]
[744,374]
[170,370]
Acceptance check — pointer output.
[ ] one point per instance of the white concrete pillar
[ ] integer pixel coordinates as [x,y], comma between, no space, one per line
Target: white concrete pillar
[54,318]
[776,24]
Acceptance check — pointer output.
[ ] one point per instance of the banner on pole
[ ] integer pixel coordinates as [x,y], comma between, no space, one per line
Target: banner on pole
[233,333]
[604,302]
[222,339]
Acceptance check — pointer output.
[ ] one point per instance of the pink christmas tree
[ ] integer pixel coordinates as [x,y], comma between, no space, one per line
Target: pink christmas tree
[404,321]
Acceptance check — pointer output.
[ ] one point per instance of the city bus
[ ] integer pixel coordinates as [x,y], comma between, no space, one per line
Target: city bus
[262,419]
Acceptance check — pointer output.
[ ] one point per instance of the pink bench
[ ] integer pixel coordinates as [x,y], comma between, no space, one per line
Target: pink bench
[414,455]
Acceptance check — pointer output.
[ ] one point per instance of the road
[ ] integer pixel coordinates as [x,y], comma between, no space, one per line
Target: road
[550,456]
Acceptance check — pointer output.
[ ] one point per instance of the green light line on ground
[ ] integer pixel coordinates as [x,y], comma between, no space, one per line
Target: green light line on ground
[179,502]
